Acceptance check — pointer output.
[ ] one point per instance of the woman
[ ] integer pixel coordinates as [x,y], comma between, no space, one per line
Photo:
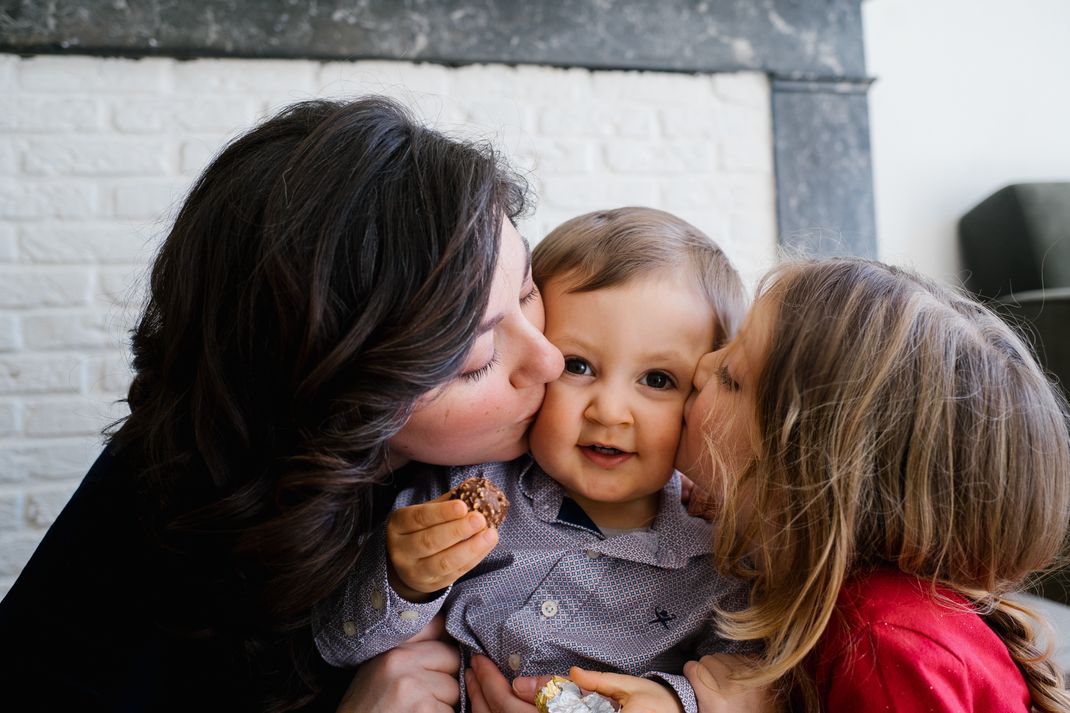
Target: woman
[343,291]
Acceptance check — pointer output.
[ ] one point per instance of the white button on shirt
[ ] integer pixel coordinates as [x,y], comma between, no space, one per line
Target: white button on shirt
[514,662]
[409,615]
[593,554]
[378,601]
[549,608]
[350,628]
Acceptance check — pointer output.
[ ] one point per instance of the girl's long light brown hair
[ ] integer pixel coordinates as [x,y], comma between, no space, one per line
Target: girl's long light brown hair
[898,424]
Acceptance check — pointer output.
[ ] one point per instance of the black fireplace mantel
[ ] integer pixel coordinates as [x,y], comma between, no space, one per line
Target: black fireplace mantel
[812,51]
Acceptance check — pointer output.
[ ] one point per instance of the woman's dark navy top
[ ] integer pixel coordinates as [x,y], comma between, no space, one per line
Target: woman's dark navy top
[84,627]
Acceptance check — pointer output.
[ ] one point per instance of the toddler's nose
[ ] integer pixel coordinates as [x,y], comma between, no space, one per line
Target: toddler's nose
[609,408]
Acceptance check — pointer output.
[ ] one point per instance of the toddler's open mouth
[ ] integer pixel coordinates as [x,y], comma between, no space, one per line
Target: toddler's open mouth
[605,456]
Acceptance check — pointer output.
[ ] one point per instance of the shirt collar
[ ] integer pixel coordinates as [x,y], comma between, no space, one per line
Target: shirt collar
[674,538]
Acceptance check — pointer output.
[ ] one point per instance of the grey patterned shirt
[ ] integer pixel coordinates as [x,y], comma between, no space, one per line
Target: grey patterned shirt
[554,592]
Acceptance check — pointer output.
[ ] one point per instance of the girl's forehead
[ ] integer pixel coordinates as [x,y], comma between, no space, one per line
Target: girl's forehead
[751,343]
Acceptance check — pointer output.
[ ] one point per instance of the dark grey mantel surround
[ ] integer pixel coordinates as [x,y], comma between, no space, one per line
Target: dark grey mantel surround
[811,49]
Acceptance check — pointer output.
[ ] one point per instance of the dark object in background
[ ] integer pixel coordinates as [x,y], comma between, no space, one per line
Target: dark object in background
[1018,240]
[1043,316]
[1016,251]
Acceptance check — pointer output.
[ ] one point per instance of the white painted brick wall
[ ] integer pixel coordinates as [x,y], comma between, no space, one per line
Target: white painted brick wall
[95,154]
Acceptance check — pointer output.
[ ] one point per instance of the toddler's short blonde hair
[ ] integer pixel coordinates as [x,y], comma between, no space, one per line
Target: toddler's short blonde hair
[609,247]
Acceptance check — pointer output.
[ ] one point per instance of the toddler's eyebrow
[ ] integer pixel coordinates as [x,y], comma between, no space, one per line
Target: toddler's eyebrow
[668,356]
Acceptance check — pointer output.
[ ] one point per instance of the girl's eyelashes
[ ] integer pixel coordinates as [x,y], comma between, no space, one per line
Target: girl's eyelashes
[477,374]
[726,379]
[659,380]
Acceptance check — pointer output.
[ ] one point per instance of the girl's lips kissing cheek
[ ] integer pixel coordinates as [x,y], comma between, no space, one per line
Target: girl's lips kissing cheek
[605,456]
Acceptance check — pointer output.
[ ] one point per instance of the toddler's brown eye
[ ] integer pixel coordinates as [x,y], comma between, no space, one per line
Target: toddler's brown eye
[658,380]
[575,365]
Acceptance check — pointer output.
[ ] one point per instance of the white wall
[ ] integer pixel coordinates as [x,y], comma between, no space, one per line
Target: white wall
[971,95]
[94,154]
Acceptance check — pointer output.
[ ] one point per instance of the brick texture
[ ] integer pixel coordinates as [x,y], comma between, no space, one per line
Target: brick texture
[97,153]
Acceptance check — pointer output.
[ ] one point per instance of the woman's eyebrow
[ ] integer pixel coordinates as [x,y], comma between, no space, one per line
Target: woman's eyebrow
[490,323]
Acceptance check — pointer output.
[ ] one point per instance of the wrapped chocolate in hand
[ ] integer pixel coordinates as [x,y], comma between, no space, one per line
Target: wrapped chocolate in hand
[560,695]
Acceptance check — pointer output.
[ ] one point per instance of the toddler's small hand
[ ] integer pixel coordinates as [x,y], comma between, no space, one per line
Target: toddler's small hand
[635,695]
[431,545]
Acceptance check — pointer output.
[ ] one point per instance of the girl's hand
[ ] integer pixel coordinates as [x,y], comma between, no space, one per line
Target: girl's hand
[432,544]
[489,691]
[716,692]
[635,695]
[419,675]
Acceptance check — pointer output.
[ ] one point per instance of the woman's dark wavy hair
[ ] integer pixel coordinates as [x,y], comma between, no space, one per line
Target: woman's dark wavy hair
[329,268]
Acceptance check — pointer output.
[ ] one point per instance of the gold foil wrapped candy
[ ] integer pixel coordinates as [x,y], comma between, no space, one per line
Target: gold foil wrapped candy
[560,695]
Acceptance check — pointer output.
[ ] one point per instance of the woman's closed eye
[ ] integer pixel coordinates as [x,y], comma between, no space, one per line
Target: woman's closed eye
[480,372]
[578,366]
[531,296]
[658,380]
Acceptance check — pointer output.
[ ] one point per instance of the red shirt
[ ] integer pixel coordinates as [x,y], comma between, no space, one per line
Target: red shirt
[891,646]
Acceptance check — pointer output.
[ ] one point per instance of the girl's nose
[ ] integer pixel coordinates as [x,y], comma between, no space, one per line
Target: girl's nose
[703,371]
[687,405]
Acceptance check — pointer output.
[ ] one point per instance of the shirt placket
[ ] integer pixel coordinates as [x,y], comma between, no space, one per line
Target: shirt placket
[531,635]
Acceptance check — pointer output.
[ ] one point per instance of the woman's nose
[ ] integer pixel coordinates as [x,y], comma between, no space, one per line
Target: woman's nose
[703,371]
[540,361]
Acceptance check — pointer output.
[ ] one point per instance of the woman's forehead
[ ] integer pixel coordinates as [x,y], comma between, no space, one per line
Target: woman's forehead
[515,254]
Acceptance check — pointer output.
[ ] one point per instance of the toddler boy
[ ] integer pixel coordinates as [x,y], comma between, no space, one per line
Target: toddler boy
[598,564]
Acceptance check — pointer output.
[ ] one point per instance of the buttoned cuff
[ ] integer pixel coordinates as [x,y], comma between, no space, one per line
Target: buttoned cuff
[370,617]
[402,616]
[680,685]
